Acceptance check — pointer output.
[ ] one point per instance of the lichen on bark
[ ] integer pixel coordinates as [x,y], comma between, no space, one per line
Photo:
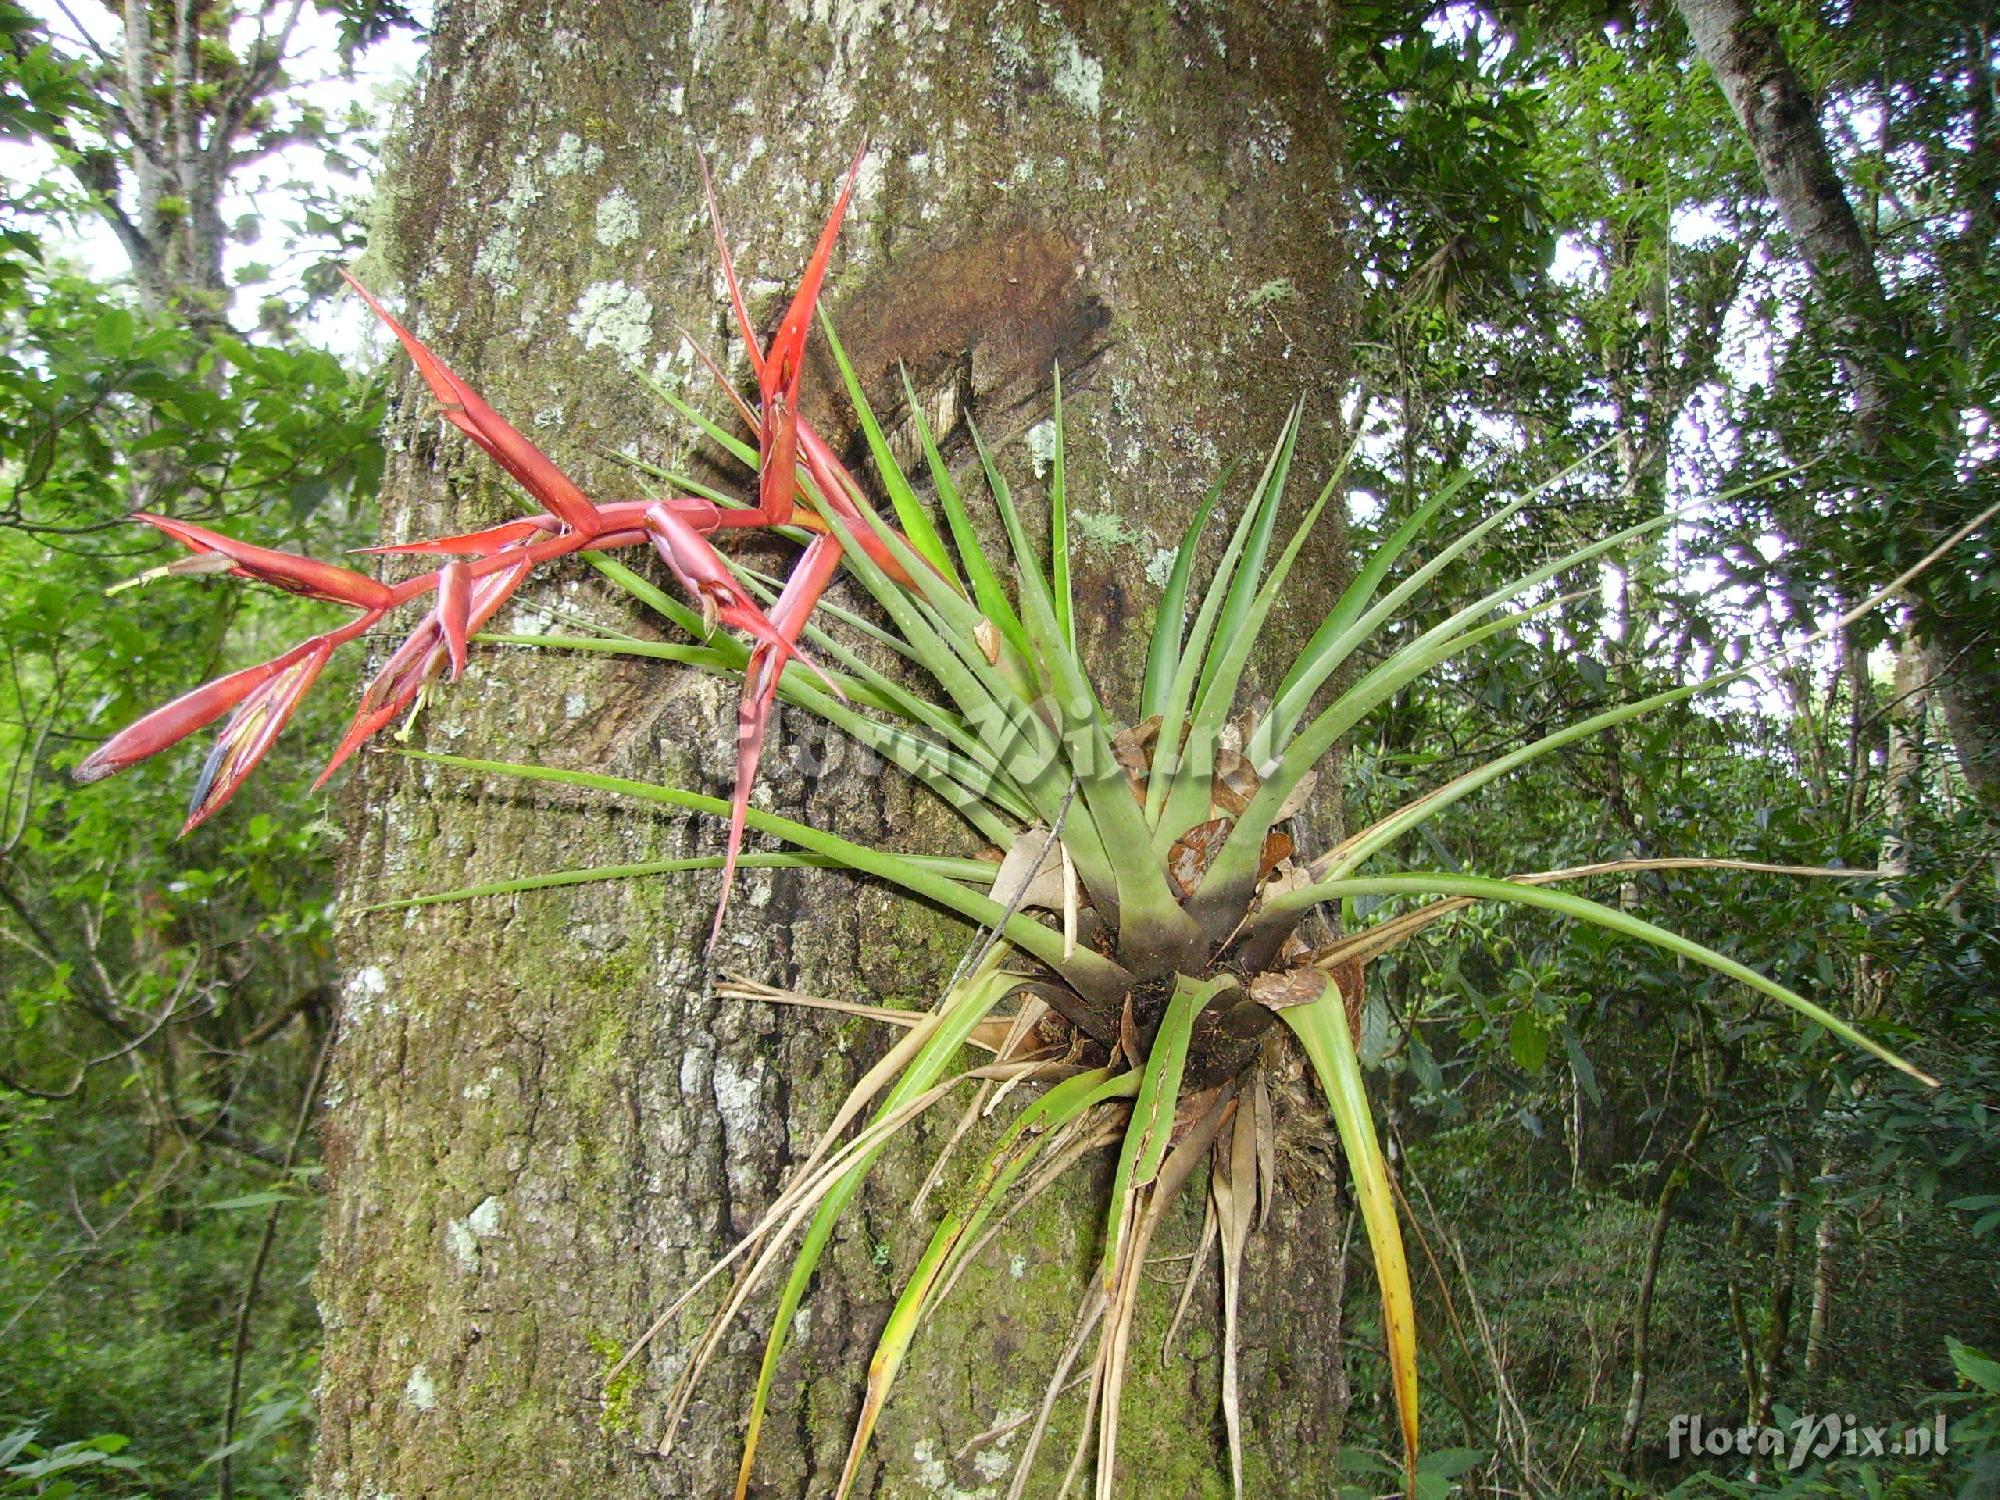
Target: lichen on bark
[1107,187]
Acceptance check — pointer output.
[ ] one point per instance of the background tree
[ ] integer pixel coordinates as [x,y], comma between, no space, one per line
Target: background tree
[1538,1067]
[1915,355]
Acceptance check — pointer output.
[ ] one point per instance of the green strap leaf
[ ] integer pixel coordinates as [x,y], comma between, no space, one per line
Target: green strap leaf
[1321,1028]
[1323,654]
[972,871]
[1065,605]
[1152,1125]
[1230,875]
[1163,652]
[969,1004]
[910,513]
[1409,662]
[1329,648]
[1090,972]
[1150,918]
[963,773]
[1181,692]
[1243,587]
[1188,800]
[742,452]
[1565,903]
[959,1231]
[986,587]
[944,636]
[989,702]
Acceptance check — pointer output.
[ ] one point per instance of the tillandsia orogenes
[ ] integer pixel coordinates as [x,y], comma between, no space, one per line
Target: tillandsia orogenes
[1139,959]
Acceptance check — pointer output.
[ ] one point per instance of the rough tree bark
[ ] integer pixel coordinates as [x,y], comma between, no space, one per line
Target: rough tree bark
[1781,122]
[541,1122]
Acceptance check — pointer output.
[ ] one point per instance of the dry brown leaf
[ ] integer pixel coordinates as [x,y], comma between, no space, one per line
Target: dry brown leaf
[1298,796]
[1288,988]
[1031,874]
[1267,1146]
[1277,849]
[1238,731]
[1197,1263]
[1148,1207]
[1132,748]
[1352,979]
[1282,881]
[1128,1035]
[1233,1191]
[1190,1108]
[1088,1318]
[1235,782]
[1194,852]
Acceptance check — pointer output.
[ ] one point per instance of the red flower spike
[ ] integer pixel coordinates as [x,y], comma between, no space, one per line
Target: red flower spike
[394,689]
[474,543]
[491,564]
[466,410]
[760,687]
[253,729]
[298,575]
[809,578]
[418,661]
[785,359]
[838,488]
[785,367]
[826,470]
[700,570]
[781,368]
[174,722]
[454,612]
[619,524]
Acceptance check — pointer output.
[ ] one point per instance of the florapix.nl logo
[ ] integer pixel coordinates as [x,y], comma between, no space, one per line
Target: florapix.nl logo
[1805,1438]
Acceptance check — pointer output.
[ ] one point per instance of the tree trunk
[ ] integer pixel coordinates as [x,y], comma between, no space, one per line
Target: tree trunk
[1675,1179]
[1826,1254]
[1781,123]
[1777,1336]
[542,1124]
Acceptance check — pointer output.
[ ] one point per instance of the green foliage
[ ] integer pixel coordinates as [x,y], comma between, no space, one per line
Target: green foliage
[161,1003]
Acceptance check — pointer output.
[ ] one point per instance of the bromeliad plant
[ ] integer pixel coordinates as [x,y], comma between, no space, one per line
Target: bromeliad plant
[1142,941]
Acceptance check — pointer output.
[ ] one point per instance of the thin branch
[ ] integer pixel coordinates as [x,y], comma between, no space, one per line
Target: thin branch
[271,1025]
[80,1250]
[226,1477]
[169,1012]
[105,1006]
